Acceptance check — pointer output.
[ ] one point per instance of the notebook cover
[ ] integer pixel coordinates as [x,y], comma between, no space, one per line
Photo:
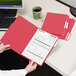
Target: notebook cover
[19,34]
[67,33]
[55,23]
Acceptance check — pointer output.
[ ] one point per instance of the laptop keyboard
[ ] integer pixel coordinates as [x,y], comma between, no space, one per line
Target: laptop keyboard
[6,22]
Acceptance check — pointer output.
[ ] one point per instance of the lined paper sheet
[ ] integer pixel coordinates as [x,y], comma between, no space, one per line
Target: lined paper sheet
[39,46]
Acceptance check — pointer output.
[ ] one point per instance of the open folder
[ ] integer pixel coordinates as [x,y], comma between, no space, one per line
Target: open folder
[29,41]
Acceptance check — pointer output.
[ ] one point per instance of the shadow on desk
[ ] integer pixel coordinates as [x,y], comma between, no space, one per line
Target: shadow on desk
[10,60]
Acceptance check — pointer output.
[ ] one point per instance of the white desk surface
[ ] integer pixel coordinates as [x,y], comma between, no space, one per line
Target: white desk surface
[63,56]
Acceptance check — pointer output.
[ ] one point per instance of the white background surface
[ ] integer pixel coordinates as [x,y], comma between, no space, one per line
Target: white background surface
[63,56]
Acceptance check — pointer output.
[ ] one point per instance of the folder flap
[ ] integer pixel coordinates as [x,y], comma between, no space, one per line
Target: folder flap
[55,23]
[19,34]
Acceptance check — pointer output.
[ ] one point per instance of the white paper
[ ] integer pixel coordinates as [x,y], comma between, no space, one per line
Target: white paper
[39,46]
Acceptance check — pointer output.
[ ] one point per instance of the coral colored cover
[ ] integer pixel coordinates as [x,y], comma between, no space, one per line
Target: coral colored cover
[19,34]
[55,23]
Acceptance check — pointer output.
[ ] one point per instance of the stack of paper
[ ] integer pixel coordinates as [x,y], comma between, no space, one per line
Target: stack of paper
[59,25]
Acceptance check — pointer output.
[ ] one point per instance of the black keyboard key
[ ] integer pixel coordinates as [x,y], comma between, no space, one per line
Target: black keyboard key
[6,22]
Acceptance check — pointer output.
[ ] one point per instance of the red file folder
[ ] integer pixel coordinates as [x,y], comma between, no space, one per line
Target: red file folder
[67,33]
[55,23]
[19,35]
